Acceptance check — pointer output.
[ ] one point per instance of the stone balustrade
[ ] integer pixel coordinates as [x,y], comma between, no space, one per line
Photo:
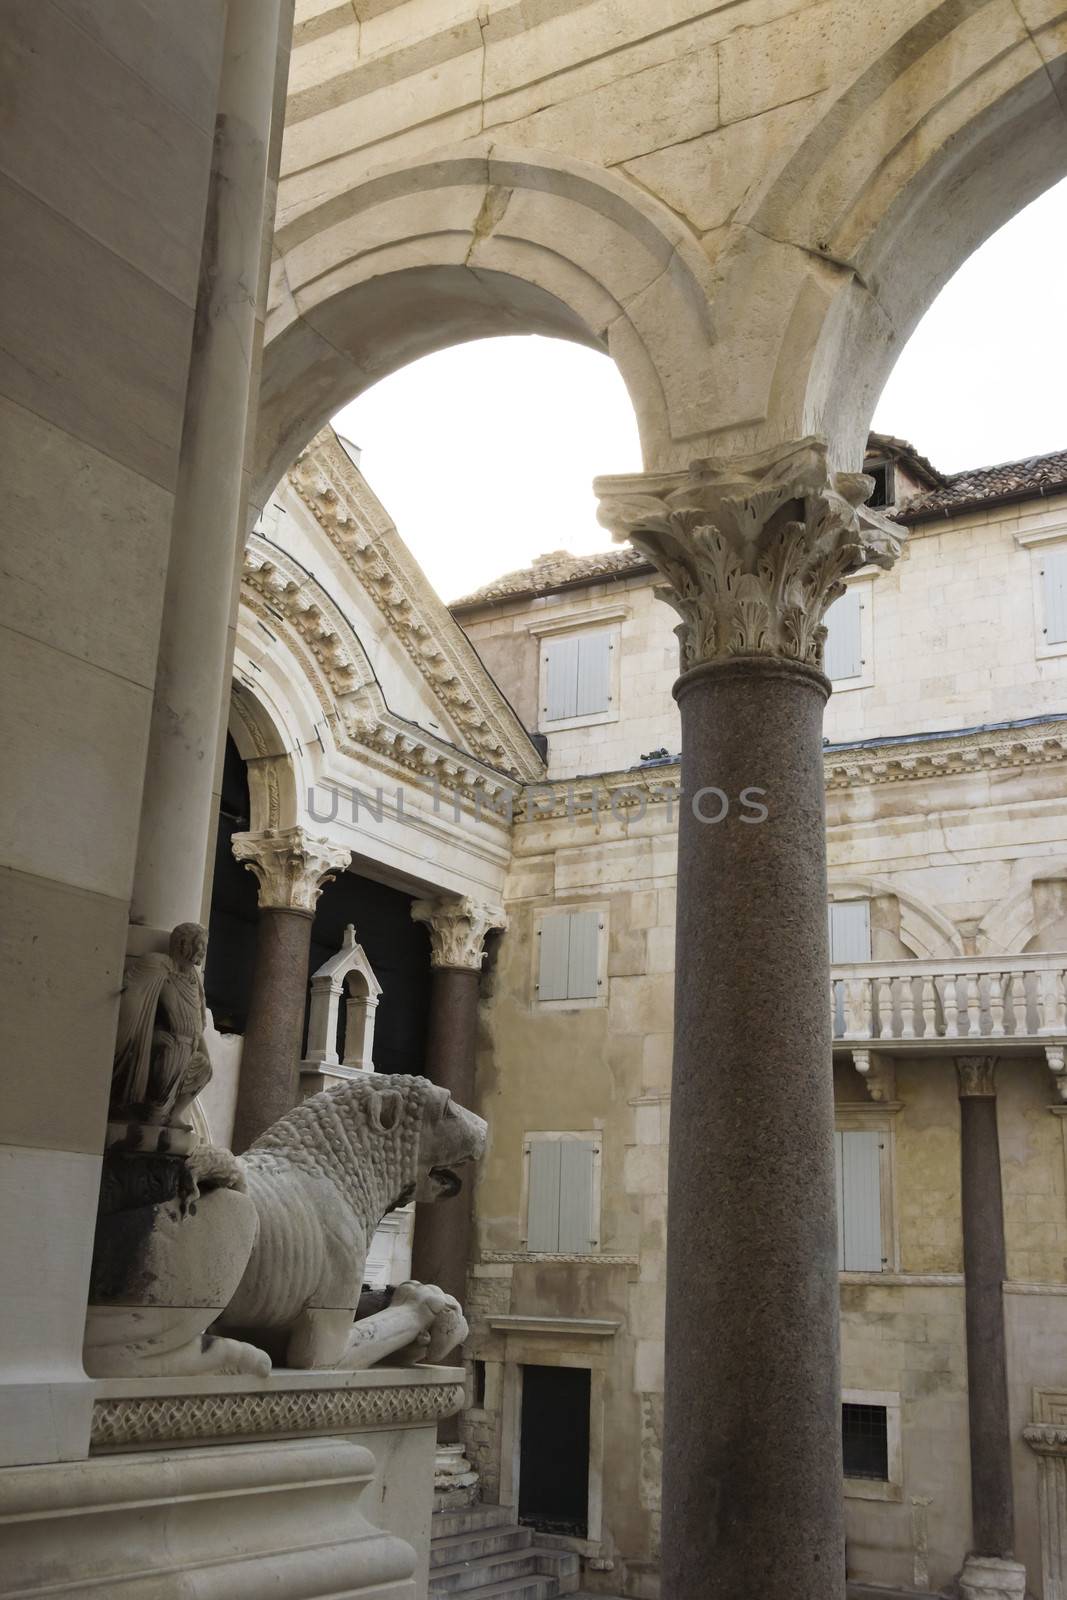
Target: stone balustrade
[1004,1002]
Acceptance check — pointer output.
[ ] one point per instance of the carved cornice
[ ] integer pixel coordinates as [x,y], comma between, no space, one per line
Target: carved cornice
[290,603]
[120,1424]
[337,496]
[753,551]
[457,930]
[977,1077]
[518,1257]
[292,866]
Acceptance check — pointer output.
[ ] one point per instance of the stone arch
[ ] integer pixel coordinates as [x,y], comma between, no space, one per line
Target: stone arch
[1010,925]
[269,754]
[954,125]
[474,241]
[923,929]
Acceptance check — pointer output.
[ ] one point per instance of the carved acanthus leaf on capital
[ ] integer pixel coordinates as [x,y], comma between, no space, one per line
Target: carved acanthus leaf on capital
[753,551]
[977,1076]
[457,930]
[292,866]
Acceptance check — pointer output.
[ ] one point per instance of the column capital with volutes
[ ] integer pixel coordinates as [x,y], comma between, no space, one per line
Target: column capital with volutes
[291,865]
[977,1077]
[753,550]
[458,929]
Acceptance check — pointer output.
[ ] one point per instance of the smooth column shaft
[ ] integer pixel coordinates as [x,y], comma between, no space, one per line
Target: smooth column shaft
[985,1268]
[269,1085]
[752,1490]
[441,1247]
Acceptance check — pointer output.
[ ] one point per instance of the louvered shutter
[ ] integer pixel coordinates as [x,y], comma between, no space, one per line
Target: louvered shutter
[842,657]
[1054,583]
[839,1178]
[542,1206]
[861,1204]
[583,955]
[561,678]
[576,1196]
[553,974]
[594,673]
[850,930]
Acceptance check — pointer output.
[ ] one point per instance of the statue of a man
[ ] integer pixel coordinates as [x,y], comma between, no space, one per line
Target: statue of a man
[161,1060]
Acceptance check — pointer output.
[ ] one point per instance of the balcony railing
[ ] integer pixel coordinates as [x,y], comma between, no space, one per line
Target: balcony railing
[1008,1002]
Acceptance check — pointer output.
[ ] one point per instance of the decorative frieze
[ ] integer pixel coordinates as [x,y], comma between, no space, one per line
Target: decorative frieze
[138,1421]
[292,866]
[457,930]
[753,551]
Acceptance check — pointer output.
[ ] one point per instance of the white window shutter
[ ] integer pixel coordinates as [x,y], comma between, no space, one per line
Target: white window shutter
[561,678]
[850,930]
[594,673]
[576,1235]
[542,1205]
[839,1179]
[861,1200]
[583,955]
[842,657]
[1054,583]
[554,938]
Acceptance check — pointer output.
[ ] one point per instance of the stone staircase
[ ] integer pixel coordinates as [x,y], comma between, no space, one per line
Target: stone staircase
[480,1553]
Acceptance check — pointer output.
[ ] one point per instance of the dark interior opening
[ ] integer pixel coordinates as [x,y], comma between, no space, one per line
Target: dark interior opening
[865,1438]
[554,1450]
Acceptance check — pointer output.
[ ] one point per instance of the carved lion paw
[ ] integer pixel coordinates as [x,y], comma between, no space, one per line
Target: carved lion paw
[444,1325]
[212,1168]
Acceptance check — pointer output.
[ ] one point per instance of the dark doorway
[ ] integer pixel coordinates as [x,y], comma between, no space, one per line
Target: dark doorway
[554,1450]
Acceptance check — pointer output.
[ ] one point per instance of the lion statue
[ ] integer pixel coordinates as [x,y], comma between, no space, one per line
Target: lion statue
[321,1180]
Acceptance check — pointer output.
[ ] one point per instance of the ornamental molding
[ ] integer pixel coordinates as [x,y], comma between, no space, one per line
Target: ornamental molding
[977,1077]
[517,1257]
[292,866]
[754,550]
[119,1424]
[336,494]
[288,603]
[457,930]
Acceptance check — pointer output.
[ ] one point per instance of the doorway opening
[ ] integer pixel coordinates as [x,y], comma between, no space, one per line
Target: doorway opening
[554,1450]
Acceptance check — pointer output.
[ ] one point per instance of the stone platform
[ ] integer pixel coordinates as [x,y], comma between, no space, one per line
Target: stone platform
[306,1484]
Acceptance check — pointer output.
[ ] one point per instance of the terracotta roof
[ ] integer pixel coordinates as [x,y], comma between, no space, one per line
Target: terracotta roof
[957,493]
[557,570]
[982,486]
[922,470]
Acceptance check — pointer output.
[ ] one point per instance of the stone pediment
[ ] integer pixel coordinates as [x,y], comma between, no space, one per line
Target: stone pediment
[337,495]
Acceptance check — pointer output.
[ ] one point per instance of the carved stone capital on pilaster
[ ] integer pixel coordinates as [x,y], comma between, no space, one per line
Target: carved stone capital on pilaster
[977,1077]
[457,930]
[292,865]
[753,551]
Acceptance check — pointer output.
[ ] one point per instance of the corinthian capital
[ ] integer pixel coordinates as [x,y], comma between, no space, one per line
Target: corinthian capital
[977,1076]
[292,866]
[457,930]
[753,551]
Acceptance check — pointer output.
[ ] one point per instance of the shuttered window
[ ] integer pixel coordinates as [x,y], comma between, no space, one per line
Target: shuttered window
[577,675]
[559,1211]
[1054,589]
[850,930]
[842,655]
[569,964]
[859,1200]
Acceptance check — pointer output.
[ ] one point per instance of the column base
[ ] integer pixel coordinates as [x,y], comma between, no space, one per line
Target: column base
[455,1482]
[992,1578]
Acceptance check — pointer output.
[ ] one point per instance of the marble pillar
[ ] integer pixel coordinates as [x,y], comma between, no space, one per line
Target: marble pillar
[207,532]
[292,868]
[752,554]
[985,1269]
[457,930]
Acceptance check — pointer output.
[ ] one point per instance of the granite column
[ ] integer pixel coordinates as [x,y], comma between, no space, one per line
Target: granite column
[292,868]
[752,553]
[990,1569]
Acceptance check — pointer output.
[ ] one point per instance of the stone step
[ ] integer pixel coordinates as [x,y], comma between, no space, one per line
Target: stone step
[477,1542]
[467,1518]
[542,1586]
[461,1577]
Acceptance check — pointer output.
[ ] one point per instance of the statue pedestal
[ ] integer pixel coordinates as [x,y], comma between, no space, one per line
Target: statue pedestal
[455,1482]
[303,1484]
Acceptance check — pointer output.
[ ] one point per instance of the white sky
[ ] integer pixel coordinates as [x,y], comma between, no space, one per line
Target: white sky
[484,455]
